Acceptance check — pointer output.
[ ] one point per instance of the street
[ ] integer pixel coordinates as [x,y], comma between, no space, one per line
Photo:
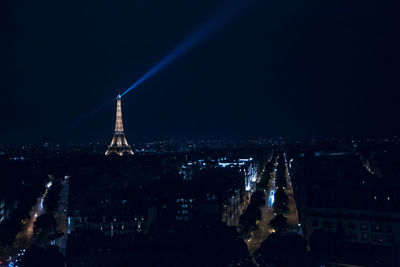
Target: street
[267,213]
[24,237]
[292,215]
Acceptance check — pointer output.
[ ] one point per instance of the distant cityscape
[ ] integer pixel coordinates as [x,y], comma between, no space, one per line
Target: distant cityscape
[212,133]
[262,202]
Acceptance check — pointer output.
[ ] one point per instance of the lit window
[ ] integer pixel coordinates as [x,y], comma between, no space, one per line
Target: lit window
[363,227]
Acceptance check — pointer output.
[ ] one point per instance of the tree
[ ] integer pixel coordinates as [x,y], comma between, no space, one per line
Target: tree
[248,220]
[280,179]
[227,246]
[275,249]
[45,223]
[262,185]
[279,222]
[258,199]
[281,201]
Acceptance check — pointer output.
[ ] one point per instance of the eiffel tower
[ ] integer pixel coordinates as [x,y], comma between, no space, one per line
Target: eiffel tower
[119,145]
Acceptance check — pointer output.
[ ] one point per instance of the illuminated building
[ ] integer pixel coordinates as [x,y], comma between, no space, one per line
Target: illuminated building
[119,145]
[2,211]
[342,197]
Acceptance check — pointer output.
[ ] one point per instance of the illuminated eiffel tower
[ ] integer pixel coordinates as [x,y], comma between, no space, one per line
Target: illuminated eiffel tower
[119,145]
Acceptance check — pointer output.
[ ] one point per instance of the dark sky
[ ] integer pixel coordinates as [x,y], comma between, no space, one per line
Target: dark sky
[282,68]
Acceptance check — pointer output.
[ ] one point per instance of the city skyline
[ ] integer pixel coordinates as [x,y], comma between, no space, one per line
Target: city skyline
[183,133]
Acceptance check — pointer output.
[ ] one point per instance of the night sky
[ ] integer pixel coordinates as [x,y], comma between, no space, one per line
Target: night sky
[280,68]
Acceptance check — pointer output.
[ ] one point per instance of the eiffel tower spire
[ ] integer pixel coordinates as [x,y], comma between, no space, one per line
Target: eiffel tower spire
[119,145]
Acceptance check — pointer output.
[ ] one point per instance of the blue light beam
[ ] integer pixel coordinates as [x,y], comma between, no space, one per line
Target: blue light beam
[90,114]
[216,22]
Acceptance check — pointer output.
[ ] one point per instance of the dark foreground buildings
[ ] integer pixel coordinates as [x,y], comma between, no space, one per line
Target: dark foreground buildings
[180,204]
[350,214]
[143,211]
